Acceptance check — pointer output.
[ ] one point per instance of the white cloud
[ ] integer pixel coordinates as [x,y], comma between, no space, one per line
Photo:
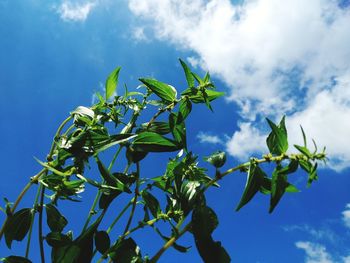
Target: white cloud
[72,11]
[276,56]
[245,141]
[207,138]
[346,216]
[315,253]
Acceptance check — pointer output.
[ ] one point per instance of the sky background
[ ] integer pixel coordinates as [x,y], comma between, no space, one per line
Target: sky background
[271,57]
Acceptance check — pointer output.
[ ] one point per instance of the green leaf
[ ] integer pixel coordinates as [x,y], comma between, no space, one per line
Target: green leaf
[204,222]
[278,187]
[152,203]
[110,179]
[185,107]
[255,179]
[157,127]
[15,259]
[17,225]
[277,141]
[303,150]
[154,142]
[66,254]
[211,95]
[126,251]
[55,220]
[164,91]
[188,74]
[112,82]
[102,241]
[178,129]
[56,239]
[217,159]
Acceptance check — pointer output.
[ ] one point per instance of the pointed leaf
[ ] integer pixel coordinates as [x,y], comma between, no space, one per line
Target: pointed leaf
[112,82]
[277,141]
[55,220]
[17,225]
[255,178]
[211,95]
[278,187]
[153,142]
[185,107]
[164,91]
[189,76]
[15,259]
[152,203]
[102,241]
[56,239]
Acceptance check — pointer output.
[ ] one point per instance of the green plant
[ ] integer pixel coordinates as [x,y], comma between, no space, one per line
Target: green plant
[114,124]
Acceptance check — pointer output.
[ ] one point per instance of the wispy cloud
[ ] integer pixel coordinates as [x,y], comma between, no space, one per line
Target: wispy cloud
[318,234]
[76,12]
[315,253]
[207,138]
[278,57]
[346,215]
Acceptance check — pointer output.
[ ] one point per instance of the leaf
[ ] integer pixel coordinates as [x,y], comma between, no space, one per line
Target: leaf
[66,254]
[17,225]
[217,159]
[112,82]
[102,241]
[154,142]
[255,179]
[113,140]
[204,222]
[178,129]
[126,251]
[152,203]
[56,239]
[303,150]
[164,91]
[15,259]
[185,107]
[188,74]
[211,95]
[110,179]
[55,220]
[277,141]
[159,127]
[278,187]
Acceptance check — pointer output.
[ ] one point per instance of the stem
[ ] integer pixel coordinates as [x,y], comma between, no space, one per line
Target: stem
[169,243]
[34,179]
[160,111]
[134,199]
[32,222]
[93,206]
[41,239]
[119,216]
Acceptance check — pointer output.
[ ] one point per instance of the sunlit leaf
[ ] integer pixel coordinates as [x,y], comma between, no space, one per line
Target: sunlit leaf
[112,82]
[277,141]
[15,259]
[188,74]
[164,91]
[154,142]
[217,159]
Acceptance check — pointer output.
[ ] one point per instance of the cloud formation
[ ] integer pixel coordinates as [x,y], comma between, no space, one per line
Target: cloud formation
[75,12]
[278,57]
[207,138]
[346,215]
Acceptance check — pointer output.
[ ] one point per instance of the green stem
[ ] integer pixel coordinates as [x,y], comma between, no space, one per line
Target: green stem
[135,198]
[40,232]
[98,195]
[169,243]
[35,206]
[119,216]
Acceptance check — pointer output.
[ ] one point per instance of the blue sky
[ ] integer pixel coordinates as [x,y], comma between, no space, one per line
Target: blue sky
[271,58]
